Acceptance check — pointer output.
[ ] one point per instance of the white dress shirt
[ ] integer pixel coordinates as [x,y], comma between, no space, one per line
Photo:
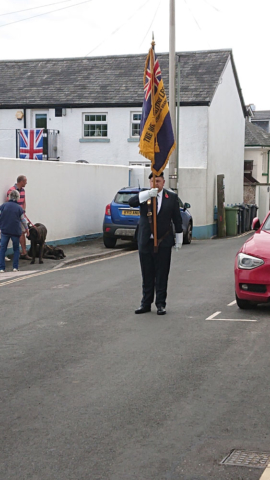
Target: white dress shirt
[159,200]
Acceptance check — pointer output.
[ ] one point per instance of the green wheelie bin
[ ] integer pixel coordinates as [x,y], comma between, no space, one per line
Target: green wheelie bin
[231,214]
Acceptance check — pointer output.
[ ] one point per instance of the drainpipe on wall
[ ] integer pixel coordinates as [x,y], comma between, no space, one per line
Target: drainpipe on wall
[24,118]
[268,166]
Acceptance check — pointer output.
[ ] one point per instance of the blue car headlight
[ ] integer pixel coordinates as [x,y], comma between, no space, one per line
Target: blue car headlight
[247,262]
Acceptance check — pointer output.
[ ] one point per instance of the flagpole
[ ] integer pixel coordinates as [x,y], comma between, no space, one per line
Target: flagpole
[154,176]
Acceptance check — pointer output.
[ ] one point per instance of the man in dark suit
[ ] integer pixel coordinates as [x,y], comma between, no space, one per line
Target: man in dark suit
[155,267]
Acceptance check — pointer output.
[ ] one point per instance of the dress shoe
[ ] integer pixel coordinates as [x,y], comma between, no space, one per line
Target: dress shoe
[161,311]
[143,309]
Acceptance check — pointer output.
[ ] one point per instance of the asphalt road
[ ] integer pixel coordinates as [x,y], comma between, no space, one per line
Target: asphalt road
[90,391]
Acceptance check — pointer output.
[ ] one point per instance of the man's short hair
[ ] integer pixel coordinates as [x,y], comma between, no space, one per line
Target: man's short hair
[20,178]
[151,175]
[14,195]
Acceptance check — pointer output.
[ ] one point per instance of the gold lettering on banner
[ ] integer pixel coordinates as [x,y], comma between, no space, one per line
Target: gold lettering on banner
[149,133]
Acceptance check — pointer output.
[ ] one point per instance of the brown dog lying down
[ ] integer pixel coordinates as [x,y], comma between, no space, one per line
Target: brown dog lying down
[37,236]
[55,253]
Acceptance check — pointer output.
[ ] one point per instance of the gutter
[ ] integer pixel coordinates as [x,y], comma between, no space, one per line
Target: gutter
[255,146]
[204,103]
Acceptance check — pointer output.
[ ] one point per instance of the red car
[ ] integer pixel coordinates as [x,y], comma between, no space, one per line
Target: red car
[252,267]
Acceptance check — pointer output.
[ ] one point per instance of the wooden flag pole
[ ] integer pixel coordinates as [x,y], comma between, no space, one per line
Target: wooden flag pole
[154,176]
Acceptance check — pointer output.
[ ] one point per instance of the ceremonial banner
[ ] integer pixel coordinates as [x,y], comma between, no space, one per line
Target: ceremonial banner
[156,133]
[31,144]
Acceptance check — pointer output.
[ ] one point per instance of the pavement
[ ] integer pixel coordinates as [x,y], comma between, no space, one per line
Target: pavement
[75,253]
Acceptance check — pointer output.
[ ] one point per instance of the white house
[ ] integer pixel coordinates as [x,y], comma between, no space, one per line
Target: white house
[92,106]
[261,118]
[257,163]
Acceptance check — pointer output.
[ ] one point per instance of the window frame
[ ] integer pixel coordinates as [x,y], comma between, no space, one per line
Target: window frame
[134,122]
[95,123]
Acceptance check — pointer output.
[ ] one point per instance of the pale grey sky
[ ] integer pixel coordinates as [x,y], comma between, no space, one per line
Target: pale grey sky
[109,27]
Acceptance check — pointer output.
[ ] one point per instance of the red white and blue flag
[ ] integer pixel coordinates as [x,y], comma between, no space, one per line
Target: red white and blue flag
[31,143]
[156,133]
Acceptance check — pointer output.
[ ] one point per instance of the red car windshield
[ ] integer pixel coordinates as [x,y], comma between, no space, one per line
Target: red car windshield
[266,226]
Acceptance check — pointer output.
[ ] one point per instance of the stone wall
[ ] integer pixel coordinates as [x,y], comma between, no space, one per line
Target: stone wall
[249,194]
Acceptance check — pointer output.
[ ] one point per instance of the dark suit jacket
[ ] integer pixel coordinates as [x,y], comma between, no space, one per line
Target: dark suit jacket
[169,213]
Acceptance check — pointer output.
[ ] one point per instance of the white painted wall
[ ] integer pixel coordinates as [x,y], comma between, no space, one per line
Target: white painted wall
[226,142]
[193,133]
[117,151]
[259,156]
[8,126]
[68,198]
[192,189]
[264,201]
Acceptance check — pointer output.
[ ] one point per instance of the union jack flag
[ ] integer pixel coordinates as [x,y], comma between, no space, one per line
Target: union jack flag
[148,79]
[31,144]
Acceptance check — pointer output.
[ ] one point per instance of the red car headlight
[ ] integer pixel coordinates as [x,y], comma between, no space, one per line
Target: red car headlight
[247,262]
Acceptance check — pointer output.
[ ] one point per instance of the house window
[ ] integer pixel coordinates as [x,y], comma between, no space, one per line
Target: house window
[95,125]
[135,124]
[58,112]
[41,120]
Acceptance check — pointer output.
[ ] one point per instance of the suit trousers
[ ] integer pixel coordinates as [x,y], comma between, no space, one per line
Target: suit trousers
[155,269]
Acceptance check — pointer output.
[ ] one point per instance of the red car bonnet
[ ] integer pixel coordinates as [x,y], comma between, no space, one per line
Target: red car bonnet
[258,245]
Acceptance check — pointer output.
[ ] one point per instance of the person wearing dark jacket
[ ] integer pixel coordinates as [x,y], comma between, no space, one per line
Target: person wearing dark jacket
[155,267]
[11,219]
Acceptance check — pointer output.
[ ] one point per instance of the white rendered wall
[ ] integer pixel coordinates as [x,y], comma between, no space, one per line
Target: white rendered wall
[68,198]
[120,149]
[264,201]
[257,155]
[226,142]
[192,189]
[8,126]
[193,133]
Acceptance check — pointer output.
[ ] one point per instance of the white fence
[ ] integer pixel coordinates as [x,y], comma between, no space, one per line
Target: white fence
[69,198]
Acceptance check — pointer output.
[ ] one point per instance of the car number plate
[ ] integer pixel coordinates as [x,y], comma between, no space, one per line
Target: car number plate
[131,212]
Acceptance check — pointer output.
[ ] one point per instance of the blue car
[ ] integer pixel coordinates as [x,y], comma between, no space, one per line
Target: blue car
[121,220]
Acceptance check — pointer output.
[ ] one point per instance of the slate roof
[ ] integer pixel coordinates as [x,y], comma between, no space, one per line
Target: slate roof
[256,136]
[261,115]
[107,81]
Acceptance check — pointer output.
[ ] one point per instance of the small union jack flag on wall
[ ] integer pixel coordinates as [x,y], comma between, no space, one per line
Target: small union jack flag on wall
[31,144]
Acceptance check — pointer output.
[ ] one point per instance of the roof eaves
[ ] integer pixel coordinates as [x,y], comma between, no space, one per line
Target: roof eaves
[218,82]
[257,145]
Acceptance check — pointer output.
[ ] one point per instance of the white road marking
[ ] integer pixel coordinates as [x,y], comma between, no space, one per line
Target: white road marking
[266,473]
[62,286]
[231,319]
[232,303]
[213,316]
[15,280]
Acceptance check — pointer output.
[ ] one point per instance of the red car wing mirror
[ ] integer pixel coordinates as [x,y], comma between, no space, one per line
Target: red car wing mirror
[255,223]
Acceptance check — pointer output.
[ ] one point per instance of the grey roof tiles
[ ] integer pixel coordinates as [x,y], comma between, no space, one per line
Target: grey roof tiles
[261,115]
[110,81]
[256,136]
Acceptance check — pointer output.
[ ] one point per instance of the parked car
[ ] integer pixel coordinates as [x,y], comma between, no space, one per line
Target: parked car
[120,220]
[252,266]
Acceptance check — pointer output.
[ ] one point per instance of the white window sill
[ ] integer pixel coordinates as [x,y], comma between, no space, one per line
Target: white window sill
[133,139]
[94,140]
